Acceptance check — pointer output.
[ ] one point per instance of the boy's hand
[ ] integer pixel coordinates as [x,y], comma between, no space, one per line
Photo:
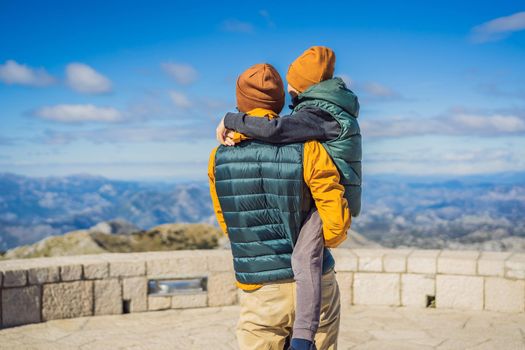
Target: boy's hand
[228,141]
[224,136]
[230,136]
[220,132]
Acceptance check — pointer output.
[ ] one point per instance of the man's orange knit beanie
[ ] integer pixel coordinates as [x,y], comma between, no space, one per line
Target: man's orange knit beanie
[314,66]
[260,86]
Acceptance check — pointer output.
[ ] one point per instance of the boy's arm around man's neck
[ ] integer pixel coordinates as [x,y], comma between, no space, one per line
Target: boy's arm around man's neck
[309,123]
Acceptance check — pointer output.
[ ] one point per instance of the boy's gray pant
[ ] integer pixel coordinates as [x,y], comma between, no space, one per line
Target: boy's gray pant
[307,266]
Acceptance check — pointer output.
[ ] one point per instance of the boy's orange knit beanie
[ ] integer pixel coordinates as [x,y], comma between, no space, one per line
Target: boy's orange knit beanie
[260,86]
[312,67]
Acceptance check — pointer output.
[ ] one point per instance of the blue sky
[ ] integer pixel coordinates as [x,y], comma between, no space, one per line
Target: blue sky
[134,89]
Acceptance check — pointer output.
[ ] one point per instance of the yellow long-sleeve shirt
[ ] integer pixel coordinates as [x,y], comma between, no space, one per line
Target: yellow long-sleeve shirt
[321,176]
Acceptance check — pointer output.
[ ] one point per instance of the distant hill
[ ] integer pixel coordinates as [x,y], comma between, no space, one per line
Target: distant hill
[473,212]
[94,241]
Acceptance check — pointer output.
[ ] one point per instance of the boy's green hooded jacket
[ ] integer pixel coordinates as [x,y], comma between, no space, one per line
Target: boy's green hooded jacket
[333,97]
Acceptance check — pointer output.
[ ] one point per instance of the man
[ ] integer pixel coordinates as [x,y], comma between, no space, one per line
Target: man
[324,109]
[262,194]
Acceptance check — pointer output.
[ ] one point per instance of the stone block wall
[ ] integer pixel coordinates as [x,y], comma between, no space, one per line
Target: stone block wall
[42,289]
[37,290]
[467,280]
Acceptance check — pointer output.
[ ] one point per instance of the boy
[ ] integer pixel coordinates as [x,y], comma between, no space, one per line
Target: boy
[324,110]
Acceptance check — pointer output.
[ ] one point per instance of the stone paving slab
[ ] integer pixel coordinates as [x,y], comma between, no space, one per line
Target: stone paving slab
[362,327]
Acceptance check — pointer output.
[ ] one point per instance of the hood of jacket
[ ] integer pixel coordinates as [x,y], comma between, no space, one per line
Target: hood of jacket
[332,90]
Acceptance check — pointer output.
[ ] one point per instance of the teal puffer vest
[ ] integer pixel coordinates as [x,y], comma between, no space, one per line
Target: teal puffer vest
[333,96]
[264,201]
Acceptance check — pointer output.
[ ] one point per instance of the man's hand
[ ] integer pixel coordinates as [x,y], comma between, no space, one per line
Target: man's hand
[224,136]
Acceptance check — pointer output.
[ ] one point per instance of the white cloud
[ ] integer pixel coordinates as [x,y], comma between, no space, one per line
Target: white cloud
[398,127]
[266,15]
[6,141]
[236,26]
[180,99]
[183,74]
[372,90]
[346,78]
[12,72]
[498,28]
[82,78]
[462,123]
[132,134]
[378,90]
[75,114]
[495,123]
[477,155]
[497,90]
[459,159]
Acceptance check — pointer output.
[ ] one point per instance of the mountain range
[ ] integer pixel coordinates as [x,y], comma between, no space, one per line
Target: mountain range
[33,208]
[475,212]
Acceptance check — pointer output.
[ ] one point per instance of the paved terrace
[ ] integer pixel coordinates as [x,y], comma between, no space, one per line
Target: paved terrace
[363,327]
[392,299]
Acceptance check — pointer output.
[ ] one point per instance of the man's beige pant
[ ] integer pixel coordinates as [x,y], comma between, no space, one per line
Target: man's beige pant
[267,315]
